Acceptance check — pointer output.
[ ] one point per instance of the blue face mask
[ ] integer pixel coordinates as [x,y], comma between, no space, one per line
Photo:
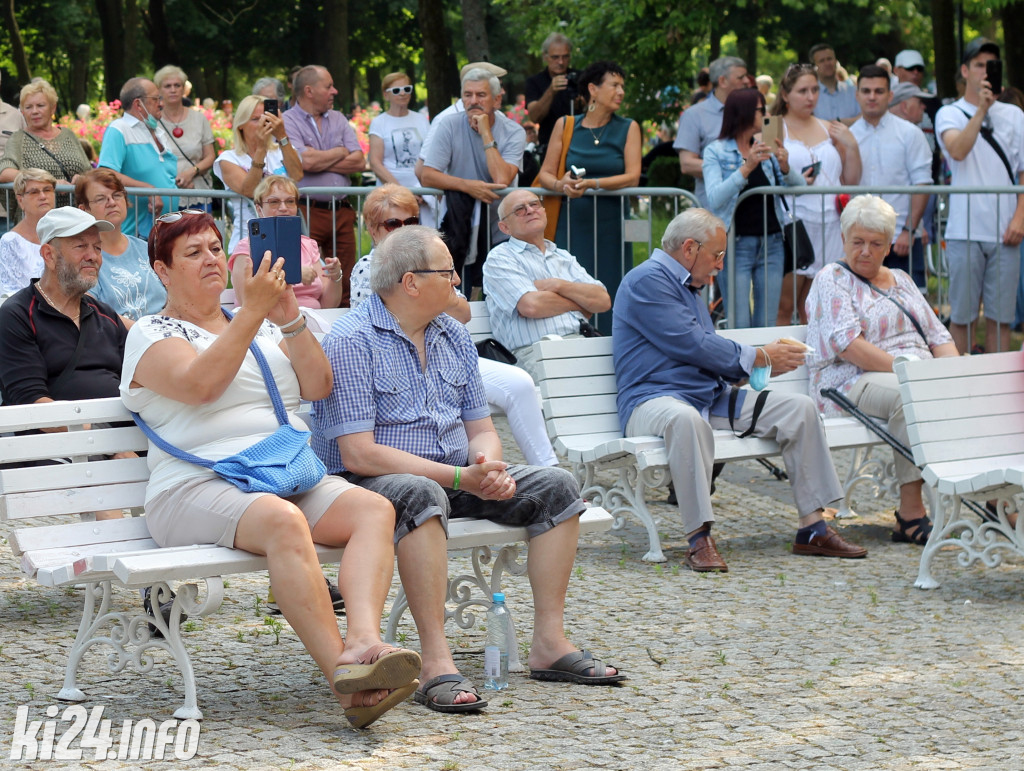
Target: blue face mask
[151,122]
[759,378]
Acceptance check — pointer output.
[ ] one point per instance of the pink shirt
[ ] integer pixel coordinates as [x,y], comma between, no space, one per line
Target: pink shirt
[308,296]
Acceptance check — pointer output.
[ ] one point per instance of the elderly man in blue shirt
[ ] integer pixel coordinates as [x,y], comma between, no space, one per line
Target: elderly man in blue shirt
[408,419]
[674,376]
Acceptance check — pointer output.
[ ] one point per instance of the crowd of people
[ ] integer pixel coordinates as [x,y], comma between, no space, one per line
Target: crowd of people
[110,297]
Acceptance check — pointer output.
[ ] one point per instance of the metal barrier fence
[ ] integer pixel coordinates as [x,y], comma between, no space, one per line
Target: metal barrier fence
[643,213]
[935,260]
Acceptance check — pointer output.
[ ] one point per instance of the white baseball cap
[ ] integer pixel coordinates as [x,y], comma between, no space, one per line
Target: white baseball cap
[67,221]
[908,58]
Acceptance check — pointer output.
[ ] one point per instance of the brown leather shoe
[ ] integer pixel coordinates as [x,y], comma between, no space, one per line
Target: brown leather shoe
[704,557]
[830,545]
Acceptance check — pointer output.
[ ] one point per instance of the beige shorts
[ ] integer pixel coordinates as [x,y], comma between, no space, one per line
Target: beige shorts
[207,510]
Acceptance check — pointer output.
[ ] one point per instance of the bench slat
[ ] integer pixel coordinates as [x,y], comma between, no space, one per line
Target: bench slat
[78,501]
[554,388]
[69,475]
[71,534]
[21,417]
[106,441]
[953,409]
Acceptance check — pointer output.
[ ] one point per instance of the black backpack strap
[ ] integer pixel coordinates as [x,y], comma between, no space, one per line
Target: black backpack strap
[762,397]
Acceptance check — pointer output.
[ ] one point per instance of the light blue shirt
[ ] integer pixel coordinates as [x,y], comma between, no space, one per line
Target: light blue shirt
[724,181]
[509,273]
[130,149]
[128,284]
[379,386]
[699,126]
[664,342]
[838,104]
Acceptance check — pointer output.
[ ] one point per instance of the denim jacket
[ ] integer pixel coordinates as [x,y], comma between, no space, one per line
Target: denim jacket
[723,181]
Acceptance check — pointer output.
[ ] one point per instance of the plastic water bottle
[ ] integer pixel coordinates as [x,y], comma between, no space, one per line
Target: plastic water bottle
[496,647]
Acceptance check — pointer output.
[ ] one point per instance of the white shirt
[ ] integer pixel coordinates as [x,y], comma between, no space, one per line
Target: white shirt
[895,152]
[244,210]
[990,214]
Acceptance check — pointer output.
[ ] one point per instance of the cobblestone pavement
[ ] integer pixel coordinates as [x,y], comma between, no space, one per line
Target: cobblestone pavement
[784,662]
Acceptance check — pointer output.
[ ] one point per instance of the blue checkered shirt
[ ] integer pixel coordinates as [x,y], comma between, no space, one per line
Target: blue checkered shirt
[509,273]
[380,387]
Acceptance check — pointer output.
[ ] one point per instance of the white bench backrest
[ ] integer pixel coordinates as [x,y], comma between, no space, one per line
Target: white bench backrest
[577,380]
[963,408]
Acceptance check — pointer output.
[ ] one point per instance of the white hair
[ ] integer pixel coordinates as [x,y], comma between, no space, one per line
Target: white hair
[698,224]
[478,74]
[871,213]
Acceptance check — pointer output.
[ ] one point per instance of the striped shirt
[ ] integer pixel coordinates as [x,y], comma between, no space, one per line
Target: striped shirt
[380,387]
[509,273]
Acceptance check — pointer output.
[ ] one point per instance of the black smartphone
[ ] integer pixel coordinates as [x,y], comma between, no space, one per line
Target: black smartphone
[814,168]
[994,75]
[282,236]
[270,105]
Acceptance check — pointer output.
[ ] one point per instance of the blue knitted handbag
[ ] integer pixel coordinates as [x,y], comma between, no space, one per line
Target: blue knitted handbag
[282,464]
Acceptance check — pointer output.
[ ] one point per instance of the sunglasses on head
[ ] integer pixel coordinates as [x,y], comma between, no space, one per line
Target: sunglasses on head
[174,216]
[396,90]
[395,224]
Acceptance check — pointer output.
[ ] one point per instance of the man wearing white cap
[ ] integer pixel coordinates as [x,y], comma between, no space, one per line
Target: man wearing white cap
[909,67]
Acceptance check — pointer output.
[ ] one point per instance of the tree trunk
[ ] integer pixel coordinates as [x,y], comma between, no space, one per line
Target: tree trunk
[335,20]
[79,82]
[435,54]
[1013,48]
[164,49]
[132,25]
[474,27]
[114,32]
[17,45]
[715,47]
[746,37]
[944,43]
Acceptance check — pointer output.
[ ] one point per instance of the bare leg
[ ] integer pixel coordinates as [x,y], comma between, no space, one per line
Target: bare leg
[911,502]
[423,566]
[994,332]
[960,337]
[109,514]
[803,289]
[549,567]
[785,315]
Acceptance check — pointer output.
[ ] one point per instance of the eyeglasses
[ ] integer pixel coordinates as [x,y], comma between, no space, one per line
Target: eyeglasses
[154,98]
[719,256]
[396,90]
[275,202]
[915,68]
[48,190]
[100,200]
[448,273]
[522,209]
[394,224]
[174,216]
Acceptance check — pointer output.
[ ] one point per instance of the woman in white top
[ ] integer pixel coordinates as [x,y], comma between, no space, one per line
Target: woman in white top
[191,136]
[261,148]
[826,153]
[20,260]
[190,373]
[395,140]
[508,387]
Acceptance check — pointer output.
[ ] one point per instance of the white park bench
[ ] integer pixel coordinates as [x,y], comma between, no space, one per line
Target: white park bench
[578,390]
[100,555]
[965,419]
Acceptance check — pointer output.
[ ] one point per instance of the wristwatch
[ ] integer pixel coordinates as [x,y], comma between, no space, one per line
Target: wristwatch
[283,141]
[490,144]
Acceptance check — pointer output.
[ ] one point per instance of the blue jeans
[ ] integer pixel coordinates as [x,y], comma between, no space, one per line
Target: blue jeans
[753,266]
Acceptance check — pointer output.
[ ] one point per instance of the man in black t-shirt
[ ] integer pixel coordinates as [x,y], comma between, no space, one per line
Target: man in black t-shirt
[549,93]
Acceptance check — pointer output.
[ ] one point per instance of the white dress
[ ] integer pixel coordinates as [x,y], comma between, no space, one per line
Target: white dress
[20,262]
[818,212]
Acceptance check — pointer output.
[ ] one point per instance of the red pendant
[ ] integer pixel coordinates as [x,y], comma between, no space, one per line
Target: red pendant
[177,132]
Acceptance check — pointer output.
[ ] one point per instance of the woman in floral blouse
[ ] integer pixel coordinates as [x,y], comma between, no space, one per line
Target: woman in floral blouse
[861,316]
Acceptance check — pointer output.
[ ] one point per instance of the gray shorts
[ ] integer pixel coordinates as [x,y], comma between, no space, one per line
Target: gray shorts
[982,272]
[207,510]
[545,497]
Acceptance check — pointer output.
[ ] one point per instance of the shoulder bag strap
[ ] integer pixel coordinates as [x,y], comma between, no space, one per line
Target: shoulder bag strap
[567,129]
[762,397]
[63,169]
[887,296]
[183,153]
[989,136]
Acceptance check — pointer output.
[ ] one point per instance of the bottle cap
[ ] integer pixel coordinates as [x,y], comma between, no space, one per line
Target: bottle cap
[499,597]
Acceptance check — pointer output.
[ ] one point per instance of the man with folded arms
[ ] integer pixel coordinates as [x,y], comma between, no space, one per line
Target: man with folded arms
[532,287]
[408,419]
[674,374]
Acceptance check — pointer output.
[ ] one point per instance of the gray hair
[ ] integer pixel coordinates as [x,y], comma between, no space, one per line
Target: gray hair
[504,208]
[871,213]
[720,67]
[698,224]
[555,38]
[169,71]
[134,88]
[262,83]
[404,250]
[32,175]
[477,74]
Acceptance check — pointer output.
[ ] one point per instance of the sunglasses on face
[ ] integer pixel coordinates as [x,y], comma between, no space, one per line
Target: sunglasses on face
[396,90]
[394,224]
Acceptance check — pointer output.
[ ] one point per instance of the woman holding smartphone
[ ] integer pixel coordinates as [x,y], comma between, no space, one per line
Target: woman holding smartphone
[738,160]
[826,154]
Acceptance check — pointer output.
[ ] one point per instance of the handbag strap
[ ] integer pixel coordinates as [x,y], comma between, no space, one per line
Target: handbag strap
[989,136]
[183,153]
[275,398]
[762,397]
[886,295]
[68,176]
[567,129]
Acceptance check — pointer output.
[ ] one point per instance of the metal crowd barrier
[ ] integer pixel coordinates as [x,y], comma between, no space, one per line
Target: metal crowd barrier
[935,251]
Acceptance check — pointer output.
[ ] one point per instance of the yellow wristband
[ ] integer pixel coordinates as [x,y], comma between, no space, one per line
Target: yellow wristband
[458,476]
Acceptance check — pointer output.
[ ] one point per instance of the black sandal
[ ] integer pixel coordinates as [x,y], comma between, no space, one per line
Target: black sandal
[912,531]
